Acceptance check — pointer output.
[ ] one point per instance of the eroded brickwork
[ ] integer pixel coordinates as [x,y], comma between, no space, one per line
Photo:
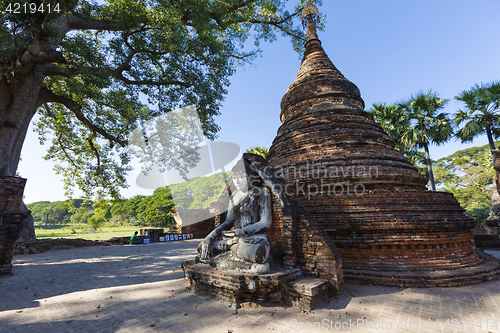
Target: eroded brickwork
[350,205]
[192,221]
[11,195]
[361,194]
[286,287]
[317,254]
[297,240]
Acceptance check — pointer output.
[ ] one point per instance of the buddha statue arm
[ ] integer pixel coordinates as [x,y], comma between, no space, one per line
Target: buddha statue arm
[226,225]
[207,243]
[265,214]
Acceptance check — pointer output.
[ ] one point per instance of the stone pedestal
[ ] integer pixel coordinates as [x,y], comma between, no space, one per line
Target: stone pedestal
[11,195]
[286,287]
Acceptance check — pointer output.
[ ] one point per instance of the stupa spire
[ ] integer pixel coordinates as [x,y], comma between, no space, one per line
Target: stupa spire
[318,80]
[310,18]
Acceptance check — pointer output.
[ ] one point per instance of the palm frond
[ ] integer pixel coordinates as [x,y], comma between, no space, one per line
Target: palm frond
[482,109]
[470,131]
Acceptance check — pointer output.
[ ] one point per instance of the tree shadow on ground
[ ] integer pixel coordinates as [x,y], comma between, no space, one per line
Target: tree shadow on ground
[141,288]
[40,276]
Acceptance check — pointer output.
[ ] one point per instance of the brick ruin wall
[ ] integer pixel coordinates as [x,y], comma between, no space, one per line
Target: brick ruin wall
[11,195]
[298,241]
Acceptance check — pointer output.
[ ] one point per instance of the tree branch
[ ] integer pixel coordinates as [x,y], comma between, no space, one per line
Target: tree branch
[37,57]
[216,16]
[75,22]
[243,57]
[135,51]
[241,4]
[96,152]
[53,70]
[277,23]
[47,108]
[126,66]
[119,76]
[76,109]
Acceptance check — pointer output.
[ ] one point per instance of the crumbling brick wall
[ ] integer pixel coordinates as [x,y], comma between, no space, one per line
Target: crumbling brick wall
[11,195]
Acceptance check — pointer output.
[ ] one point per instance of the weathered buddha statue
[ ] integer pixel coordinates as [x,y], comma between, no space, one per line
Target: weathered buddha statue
[240,243]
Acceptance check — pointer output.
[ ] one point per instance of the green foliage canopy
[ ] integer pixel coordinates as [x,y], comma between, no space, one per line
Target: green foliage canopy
[58,212]
[104,68]
[469,175]
[199,193]
[426,125]
[258,150]
[395,122]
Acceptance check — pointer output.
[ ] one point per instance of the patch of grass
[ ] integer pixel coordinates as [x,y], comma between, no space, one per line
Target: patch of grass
[70,231]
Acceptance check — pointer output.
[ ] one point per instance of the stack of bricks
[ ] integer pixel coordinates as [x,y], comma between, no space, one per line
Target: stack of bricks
[10,227]
[200,229]
[307,294]
[11,194]
[360,193]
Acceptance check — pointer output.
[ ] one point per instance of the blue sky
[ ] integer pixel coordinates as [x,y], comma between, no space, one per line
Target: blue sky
[389,48]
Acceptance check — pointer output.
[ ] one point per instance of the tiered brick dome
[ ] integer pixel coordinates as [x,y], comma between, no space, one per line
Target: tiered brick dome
[343,169]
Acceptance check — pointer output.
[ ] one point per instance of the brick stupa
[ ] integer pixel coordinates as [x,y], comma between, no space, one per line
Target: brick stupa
[342,168]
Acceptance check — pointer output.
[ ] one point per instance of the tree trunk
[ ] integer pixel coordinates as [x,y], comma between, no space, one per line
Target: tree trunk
[429,166]
[19,100]
[490,137]
[18,105]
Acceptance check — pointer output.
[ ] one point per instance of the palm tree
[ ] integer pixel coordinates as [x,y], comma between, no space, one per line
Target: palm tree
[262,151]
[396,121]
[426,125]
[393,120]
[481,114]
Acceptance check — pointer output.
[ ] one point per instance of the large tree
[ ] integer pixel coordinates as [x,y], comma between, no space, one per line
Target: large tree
[469,175]
[94,71]
[87,69]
